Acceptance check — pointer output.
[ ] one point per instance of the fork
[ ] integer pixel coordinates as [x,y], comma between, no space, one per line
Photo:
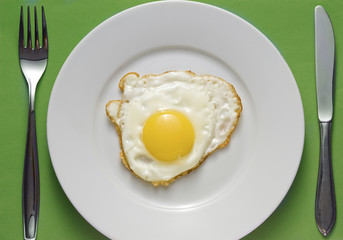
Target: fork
[33,61]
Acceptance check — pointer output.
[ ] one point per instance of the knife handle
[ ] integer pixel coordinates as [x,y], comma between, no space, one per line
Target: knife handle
[325,196]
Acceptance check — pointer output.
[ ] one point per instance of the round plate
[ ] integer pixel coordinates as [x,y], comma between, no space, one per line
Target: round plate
[237,187]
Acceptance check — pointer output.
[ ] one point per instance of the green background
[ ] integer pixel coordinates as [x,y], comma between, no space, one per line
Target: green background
[288,24]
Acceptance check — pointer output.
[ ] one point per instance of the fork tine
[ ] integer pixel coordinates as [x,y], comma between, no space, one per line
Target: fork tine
[29,41]
[21,30]
[36,31]
[45,33]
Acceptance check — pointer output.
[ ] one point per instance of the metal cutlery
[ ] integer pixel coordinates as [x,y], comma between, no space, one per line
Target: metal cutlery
[325,207]
[33,60]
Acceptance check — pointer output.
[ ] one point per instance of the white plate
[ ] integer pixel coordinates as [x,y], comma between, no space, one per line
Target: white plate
[238,187]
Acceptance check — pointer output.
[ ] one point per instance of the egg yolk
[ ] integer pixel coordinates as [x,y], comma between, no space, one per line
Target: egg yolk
[168,135]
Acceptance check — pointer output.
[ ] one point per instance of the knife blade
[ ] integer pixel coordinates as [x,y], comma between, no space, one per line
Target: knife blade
[325,207]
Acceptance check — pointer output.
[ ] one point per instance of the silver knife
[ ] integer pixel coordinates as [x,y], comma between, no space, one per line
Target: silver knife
[325,209]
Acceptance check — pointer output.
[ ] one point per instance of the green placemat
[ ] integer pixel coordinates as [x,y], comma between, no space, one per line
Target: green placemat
[288,24]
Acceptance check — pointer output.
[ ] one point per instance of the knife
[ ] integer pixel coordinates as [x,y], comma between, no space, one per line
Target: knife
[325,207]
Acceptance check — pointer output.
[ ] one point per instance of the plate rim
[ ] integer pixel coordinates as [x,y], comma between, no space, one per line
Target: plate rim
[127,11]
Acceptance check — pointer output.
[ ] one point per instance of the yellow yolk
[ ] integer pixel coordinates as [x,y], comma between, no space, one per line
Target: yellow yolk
[168,135]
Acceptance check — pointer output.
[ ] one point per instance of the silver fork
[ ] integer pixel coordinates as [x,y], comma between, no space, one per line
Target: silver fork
[33,61]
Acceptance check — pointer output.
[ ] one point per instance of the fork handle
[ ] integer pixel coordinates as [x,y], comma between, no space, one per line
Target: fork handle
[31,180]
[325,196]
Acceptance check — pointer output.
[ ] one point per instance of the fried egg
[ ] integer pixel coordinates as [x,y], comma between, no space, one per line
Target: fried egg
[168,124]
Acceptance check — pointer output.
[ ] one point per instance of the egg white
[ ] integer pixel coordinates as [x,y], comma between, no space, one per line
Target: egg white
[210,103]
